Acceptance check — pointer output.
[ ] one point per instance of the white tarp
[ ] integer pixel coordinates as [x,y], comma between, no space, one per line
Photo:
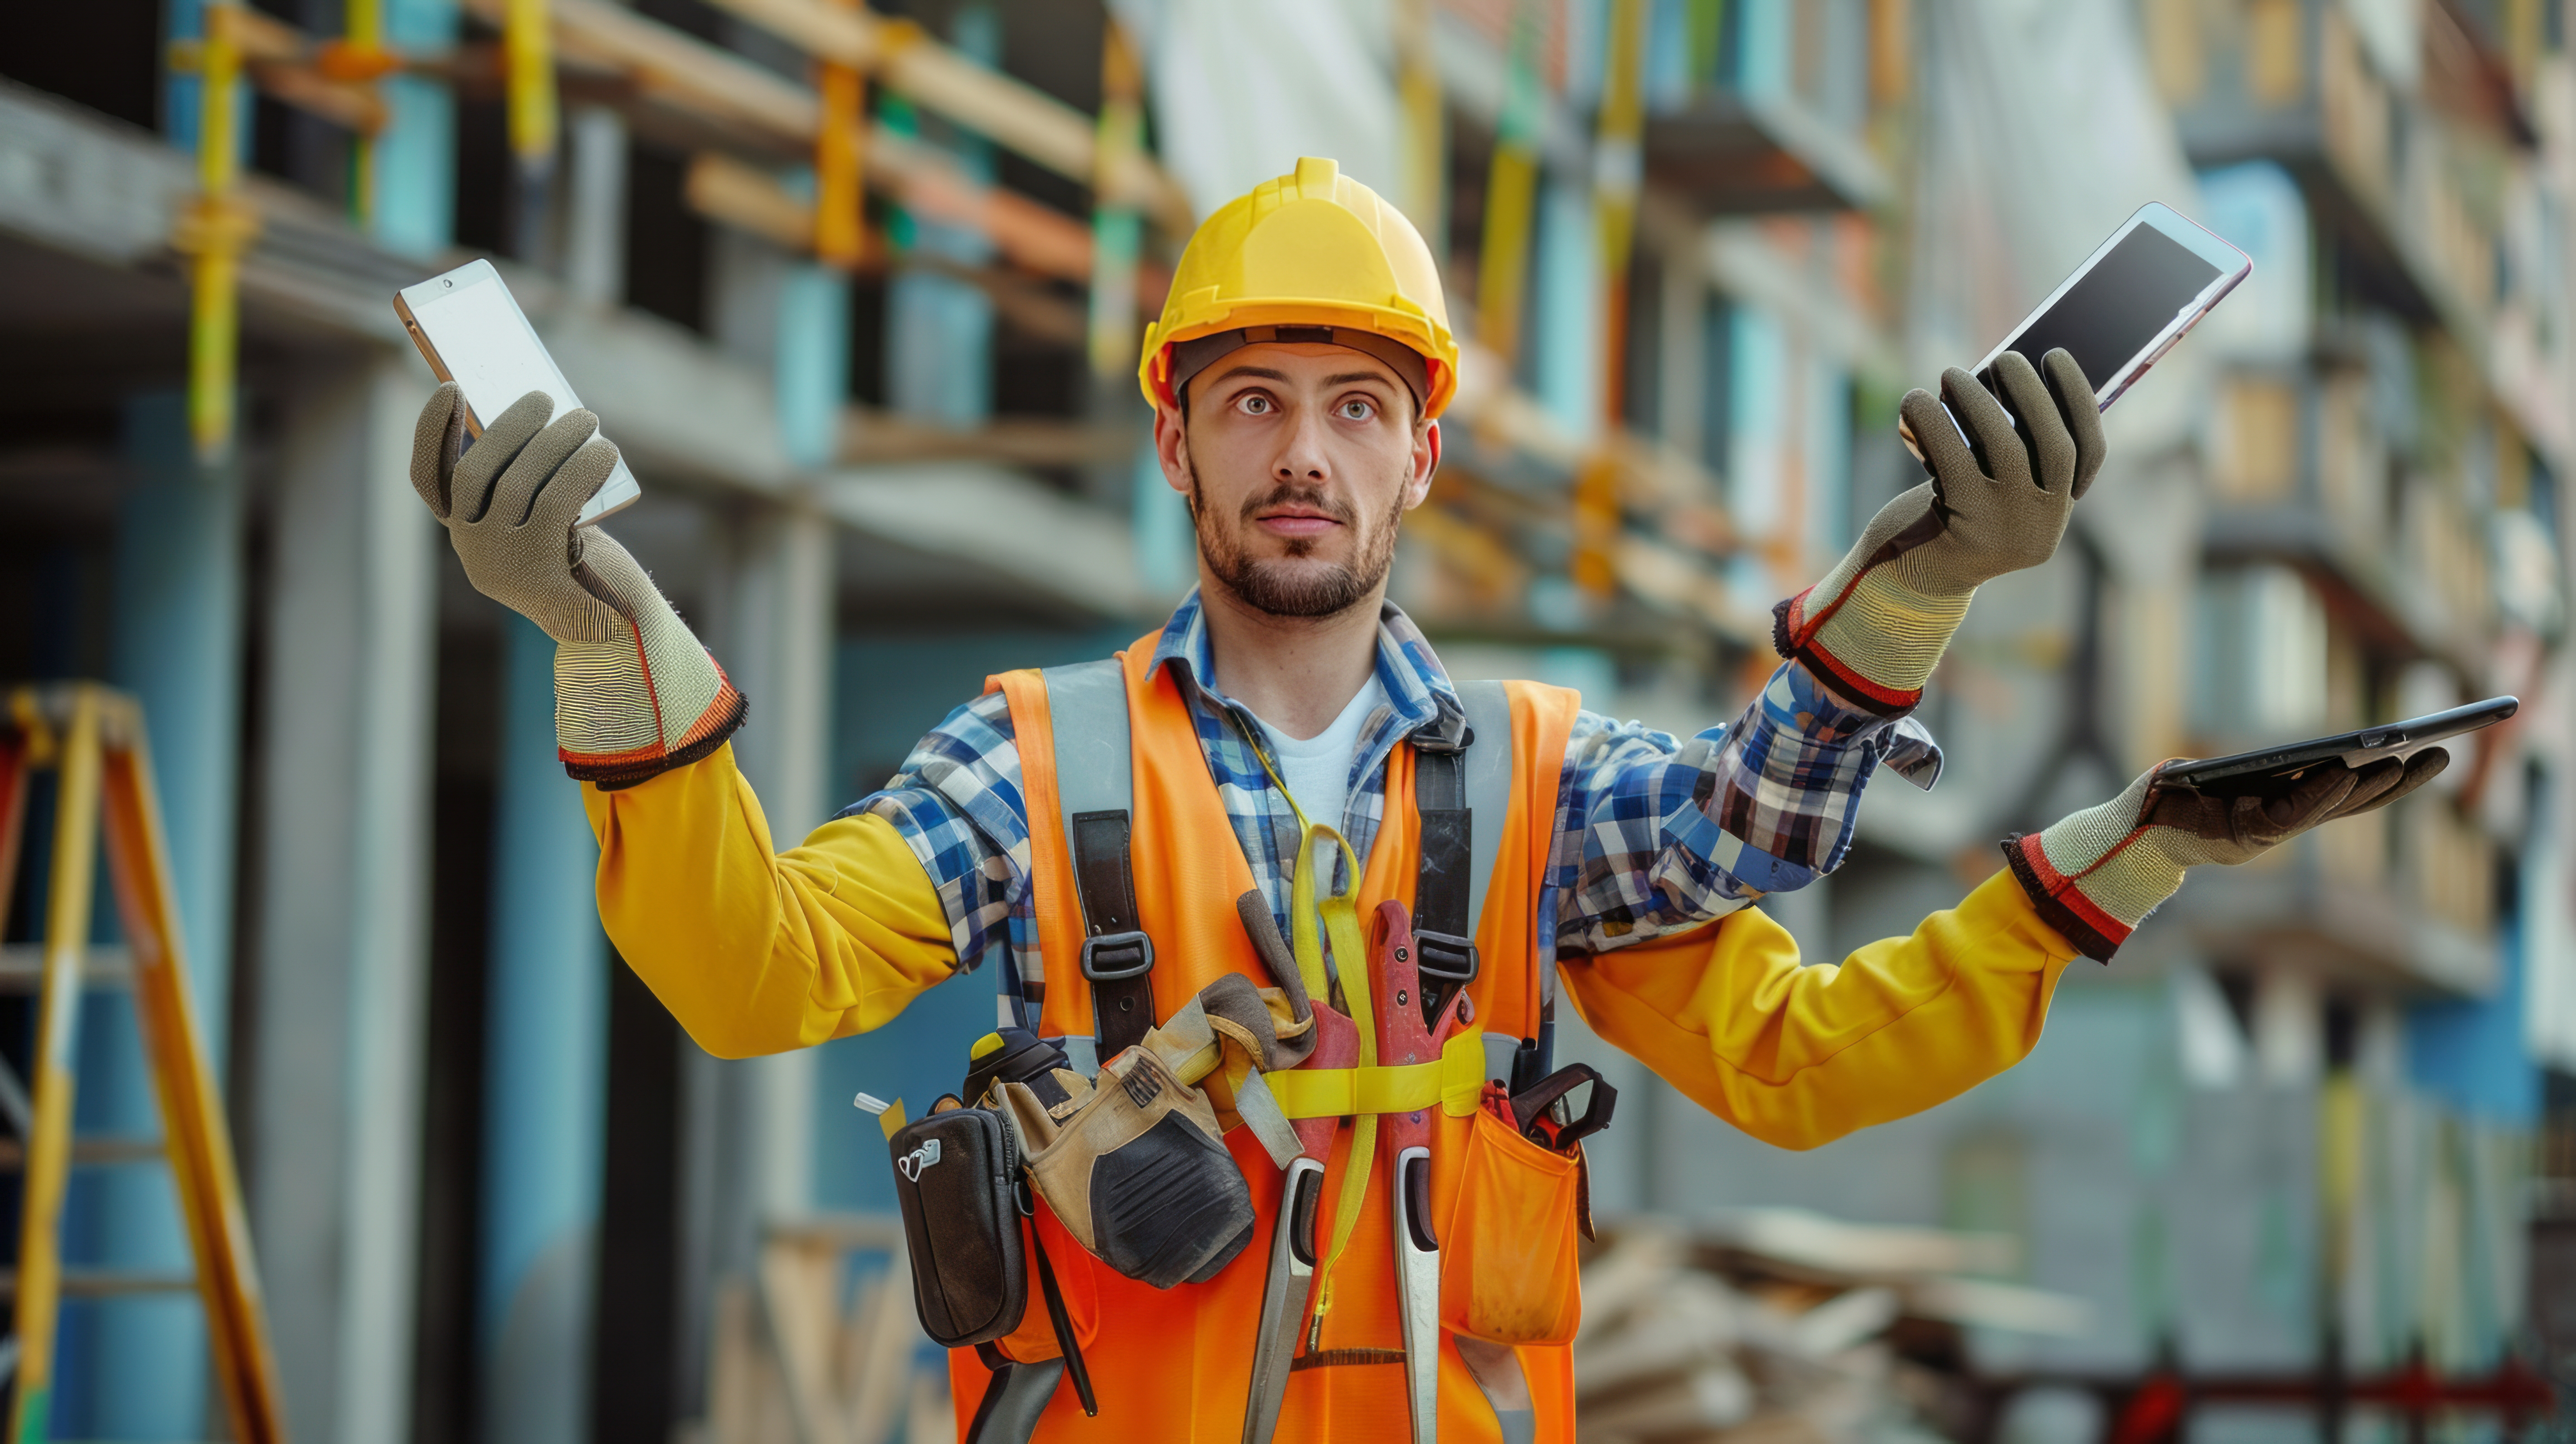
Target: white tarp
[1241,88]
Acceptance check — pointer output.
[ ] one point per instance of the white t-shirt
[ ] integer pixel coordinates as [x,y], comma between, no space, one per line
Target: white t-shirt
[1318,770]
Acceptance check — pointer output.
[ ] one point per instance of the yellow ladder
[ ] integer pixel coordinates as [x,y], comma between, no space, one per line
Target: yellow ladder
[93,739]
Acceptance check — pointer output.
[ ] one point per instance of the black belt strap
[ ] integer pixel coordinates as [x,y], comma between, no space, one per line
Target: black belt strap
[1116,956]
[1443,931]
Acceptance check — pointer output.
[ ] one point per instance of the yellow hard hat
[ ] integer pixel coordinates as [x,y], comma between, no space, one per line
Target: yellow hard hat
[1313,256]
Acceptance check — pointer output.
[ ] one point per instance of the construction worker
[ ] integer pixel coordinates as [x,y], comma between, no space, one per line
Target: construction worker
[1297,375]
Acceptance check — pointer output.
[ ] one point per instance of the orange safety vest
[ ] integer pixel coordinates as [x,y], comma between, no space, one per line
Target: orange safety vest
[1175,1365]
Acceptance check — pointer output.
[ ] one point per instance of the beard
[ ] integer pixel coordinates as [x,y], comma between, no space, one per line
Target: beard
[1282,588]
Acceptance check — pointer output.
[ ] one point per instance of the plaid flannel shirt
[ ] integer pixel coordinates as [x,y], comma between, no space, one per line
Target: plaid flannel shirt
[1653,834]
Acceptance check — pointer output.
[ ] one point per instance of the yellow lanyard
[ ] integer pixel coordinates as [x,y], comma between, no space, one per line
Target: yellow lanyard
[1341,923]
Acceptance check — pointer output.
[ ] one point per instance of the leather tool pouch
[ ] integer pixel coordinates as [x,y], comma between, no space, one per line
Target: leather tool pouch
[1507,1211]
[1139,1173]
[956,1178]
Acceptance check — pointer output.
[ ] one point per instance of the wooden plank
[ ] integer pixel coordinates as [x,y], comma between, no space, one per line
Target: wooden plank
[22,967]
[877,1353]
[91,1152]
[107,1283]
[930,1414]
[288,66]
[670,65]
[799,1282]
[732,1367]
[748,198]
[676,66]
[1008,112]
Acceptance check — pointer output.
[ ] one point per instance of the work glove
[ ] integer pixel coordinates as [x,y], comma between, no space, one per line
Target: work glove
[1876,625]
[2096,875]
[635,692]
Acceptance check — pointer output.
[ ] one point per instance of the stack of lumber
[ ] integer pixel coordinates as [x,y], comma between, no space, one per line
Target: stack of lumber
[1779,1327]
[821,1345]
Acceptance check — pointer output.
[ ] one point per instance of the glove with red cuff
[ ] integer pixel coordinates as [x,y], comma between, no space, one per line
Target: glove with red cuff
[1877,624]
[635,692]
[2096,875]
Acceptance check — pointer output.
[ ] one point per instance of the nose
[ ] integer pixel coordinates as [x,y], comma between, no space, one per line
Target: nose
[1301,459]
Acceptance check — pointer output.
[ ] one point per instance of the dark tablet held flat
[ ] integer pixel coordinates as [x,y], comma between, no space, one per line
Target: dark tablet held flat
[2263,771]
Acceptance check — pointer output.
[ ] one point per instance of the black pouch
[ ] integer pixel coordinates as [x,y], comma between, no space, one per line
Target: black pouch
[957,1179]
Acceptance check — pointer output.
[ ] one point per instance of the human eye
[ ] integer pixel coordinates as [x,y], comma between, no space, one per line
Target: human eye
[1358,408]
[1253,403]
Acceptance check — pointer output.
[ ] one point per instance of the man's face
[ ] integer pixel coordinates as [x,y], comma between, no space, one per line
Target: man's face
[1298,461]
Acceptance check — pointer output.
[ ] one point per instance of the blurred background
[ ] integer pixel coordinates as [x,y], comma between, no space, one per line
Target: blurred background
[859,292]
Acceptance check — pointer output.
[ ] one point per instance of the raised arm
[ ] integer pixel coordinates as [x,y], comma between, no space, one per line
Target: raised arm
[1658,835]
[753,951]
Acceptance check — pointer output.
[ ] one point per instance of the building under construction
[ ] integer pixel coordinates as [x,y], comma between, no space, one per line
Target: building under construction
[857,289]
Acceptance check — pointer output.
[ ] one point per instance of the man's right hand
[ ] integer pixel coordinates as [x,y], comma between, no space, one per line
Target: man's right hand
[635,692]
[1879,621]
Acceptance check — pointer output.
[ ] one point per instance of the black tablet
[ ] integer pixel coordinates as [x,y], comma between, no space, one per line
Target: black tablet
[2249,772]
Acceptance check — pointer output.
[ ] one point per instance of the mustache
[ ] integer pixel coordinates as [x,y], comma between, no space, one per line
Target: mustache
[1339,511]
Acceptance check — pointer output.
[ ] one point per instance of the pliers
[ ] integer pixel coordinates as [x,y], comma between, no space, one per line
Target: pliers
[1404,1140]
[1294,1237]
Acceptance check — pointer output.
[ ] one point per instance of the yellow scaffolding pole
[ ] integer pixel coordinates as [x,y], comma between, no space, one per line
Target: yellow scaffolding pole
[215,231]
[360,58]
[528,50]
[840,232]
[1426,151]
[1617,174]
[1117,222]
[93,739]
[1511,193]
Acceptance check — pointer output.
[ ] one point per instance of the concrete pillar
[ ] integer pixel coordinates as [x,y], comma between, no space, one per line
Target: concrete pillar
[748,1127]
[1682,353]
[812,375]
[414,156]
[783,615]
[939,328]
[1565,332]
[2289,1026]
[334,1087]
[594,269]
[545,1051]
[138,1369]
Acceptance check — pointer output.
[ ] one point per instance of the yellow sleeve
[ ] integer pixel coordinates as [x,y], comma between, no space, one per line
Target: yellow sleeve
[754,951]
[1799,1056]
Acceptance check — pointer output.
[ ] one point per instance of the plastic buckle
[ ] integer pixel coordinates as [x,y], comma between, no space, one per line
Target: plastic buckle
[1445,958]
[1110,957]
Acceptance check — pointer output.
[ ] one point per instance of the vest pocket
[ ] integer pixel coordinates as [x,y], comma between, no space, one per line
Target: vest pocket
[1508,1262]
[1034,1340]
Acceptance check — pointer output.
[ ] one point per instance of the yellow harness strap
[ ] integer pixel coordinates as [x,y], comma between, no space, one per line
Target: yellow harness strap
[1340,914]
[1454,1082]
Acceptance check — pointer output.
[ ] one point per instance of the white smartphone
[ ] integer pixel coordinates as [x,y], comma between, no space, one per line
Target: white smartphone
[471,331]
[2125,307]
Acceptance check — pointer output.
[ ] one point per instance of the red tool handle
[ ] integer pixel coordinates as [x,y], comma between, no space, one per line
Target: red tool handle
[1337,1045]
[1401,1036]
